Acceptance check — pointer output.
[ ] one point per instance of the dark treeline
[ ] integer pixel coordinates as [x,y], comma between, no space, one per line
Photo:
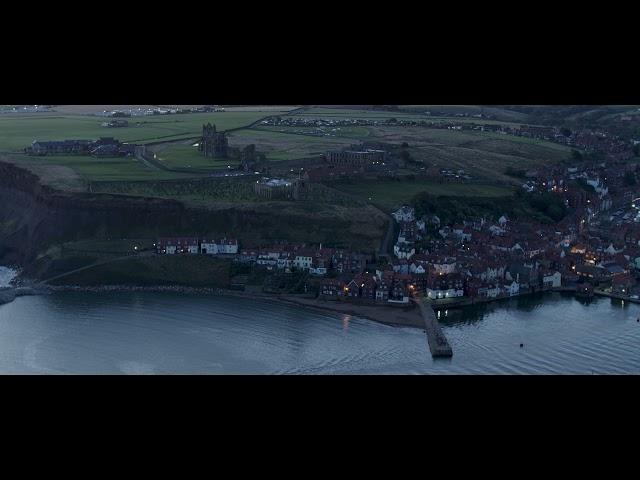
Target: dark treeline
[543,207]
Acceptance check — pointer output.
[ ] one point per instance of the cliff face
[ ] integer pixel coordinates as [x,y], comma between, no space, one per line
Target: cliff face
[33,216]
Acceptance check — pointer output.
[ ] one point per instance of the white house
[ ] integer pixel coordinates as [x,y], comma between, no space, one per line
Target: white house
[496,230]
[611,250]
[417,268]
[493,291]
[228,246]
[404,214]
[218,247]
[512,288]
[404,250]
[552,280]
[435,293]
[319,269]
[303,260]
[284,262]
[172,246]
[448,265]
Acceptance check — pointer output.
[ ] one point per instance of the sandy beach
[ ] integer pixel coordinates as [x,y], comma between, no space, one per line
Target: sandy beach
[397,316]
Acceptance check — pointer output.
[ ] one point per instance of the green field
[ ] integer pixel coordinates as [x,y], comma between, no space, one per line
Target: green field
[286,146]
[356,132]
[186,156]
[392,194]
[506,118]
[483,155]
[187,270]
[73,172]
[19,131]
[60,170]
[200,192]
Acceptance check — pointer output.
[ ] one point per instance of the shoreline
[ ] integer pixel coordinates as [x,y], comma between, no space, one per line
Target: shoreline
[388,315]
[396,316]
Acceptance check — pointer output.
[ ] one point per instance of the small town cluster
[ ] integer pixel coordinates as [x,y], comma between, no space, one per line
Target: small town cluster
[143,112]
[595,246]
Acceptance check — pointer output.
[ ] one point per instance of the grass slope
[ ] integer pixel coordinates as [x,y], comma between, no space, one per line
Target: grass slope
[391,194]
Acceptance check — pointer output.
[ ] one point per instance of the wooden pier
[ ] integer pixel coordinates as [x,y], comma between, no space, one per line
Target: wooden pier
[438,343]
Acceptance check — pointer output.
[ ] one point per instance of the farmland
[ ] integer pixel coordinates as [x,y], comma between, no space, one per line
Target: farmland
[483,155]
[62,171]
[286,146]
[391,194]
[418,113]
[184,155]
[19,131]
[74,172]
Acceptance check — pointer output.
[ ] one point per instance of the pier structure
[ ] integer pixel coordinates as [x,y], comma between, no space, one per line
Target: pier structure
[438,343]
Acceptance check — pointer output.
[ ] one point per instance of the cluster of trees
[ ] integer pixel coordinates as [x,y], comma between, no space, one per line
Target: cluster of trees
[630,179]
[515,172]
[543,207]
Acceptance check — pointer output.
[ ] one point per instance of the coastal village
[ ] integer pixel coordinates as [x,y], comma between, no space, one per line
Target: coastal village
[594,249]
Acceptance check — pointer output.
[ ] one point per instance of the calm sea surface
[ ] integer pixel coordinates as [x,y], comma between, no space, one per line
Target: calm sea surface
[144,333]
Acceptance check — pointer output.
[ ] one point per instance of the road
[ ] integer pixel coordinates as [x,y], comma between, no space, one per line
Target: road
[389,237]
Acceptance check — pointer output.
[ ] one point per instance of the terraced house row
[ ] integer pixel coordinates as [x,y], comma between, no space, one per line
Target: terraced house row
[195,245]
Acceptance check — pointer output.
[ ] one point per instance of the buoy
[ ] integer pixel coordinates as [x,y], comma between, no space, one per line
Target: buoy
[521,345]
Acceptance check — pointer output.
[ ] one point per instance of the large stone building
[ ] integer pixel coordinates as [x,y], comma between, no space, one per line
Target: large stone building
[356,158]
[277,188]
[103,147]
[213,143]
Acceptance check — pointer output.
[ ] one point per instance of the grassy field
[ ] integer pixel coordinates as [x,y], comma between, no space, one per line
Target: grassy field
[71,172]
[186,270]
[392,194]
[198,192]
[185,155]
[112,247]
[507,118]
[19,131]
[286,146]
[483,155]
[355,132]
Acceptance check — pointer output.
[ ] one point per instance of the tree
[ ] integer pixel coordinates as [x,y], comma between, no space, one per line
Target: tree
[576,155]
[514,172]
[636,149]
[565,131]
[630,179]
[404,145]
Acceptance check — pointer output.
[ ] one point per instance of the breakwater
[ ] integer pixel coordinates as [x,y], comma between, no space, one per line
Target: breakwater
[438,343]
